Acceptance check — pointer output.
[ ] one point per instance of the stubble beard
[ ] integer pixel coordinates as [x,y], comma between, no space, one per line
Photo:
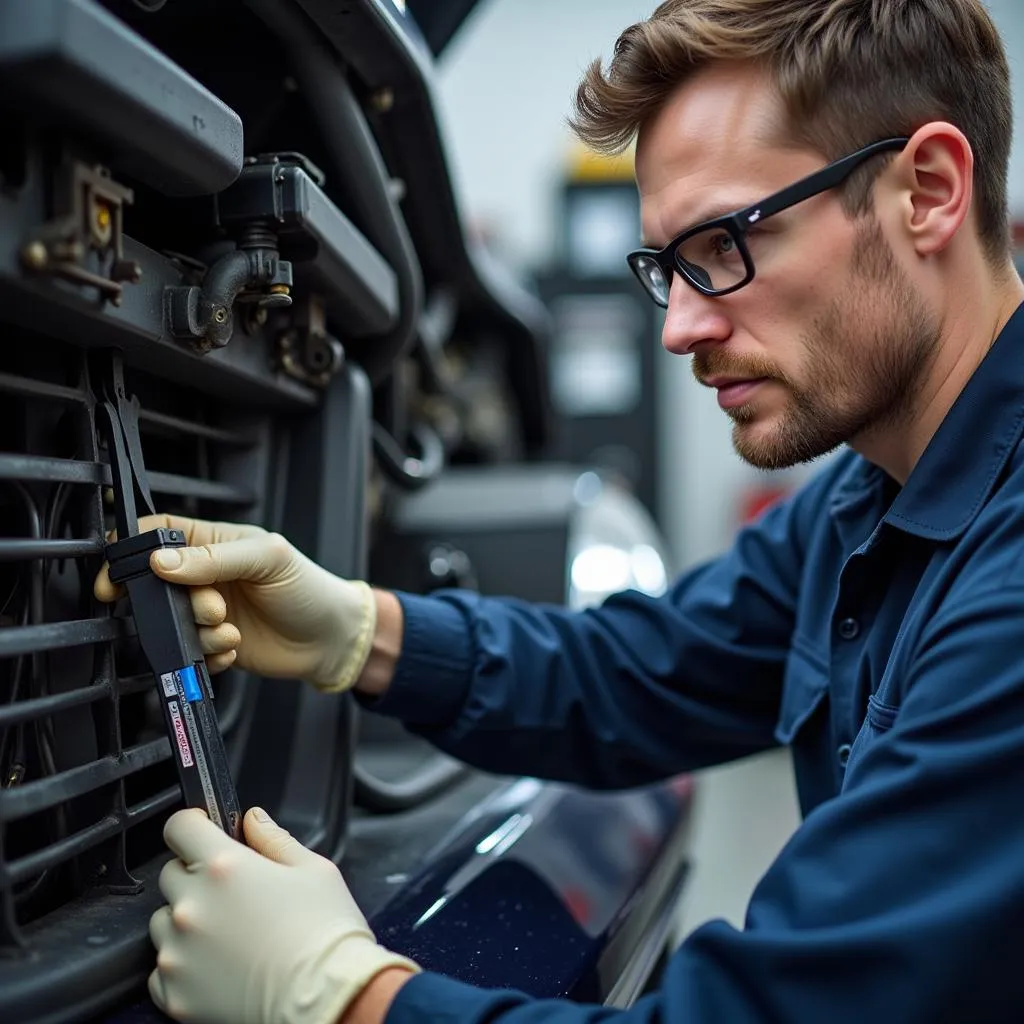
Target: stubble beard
[864,359]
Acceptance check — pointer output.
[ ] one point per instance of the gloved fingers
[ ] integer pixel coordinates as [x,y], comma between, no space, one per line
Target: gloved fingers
[194,838]
[195,531]
[162,521]
[109,592]
[156,990]
[173,883]
[250,558]
[161,925]
[219,662]
[266,837]
[219,639]
[208,606]
[102,587]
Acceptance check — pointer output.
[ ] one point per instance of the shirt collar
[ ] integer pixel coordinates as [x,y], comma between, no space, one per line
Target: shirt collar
[955,475]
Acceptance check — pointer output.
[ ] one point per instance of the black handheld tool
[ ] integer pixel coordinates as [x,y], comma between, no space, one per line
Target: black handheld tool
[163,615]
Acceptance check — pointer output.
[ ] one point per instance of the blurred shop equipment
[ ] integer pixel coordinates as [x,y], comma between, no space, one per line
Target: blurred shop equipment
[605,331]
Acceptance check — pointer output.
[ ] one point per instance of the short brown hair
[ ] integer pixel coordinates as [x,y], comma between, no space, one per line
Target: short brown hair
[849,72]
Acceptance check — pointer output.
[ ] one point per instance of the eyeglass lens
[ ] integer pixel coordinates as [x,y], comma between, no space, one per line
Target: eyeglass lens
[713,259]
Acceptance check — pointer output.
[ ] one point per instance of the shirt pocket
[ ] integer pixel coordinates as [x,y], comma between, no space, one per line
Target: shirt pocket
[880,715]
[878,720]
[803,690]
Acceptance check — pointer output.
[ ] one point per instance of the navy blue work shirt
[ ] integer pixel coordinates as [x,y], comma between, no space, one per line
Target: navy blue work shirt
[877,631]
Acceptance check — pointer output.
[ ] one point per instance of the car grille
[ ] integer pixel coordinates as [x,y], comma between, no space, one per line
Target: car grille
[86,778]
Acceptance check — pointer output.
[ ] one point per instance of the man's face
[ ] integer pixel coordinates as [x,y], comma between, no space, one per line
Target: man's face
[828,342]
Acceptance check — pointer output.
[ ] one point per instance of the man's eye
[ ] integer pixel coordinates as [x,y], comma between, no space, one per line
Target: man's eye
[723,244]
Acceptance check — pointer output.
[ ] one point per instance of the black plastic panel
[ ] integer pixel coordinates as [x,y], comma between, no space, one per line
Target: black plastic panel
[324,515]
[94,76]
[98,951]
[512,522]
[330,255]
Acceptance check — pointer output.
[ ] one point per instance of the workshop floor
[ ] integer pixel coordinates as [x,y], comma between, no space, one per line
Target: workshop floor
[744,814]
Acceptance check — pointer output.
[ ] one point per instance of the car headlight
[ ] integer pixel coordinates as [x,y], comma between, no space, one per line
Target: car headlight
[614,545]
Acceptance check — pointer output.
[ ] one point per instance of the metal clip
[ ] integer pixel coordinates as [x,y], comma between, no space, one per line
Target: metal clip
[90,217]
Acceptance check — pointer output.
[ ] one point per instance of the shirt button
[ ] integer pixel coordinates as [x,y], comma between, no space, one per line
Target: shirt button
[843,753]
[849,628]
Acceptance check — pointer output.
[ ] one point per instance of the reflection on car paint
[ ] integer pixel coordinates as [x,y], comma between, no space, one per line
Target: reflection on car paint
[527,893]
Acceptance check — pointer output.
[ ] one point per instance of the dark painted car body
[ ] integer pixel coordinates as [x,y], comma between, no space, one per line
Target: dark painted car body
[552,891]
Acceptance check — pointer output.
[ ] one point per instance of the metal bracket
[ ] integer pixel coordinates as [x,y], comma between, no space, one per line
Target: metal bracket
[305,350]
[89,220]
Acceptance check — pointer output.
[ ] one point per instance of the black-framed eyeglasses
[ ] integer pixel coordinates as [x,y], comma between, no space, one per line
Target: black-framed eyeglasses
[714,257]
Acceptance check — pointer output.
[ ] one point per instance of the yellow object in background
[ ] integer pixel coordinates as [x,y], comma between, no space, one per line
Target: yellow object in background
[586,166]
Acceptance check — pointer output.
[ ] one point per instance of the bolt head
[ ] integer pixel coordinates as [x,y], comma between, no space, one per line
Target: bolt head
[383,100]
[35,255]
[102,223]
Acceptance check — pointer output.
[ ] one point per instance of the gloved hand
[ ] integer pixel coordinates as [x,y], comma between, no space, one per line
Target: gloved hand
[266,934]
[259,599]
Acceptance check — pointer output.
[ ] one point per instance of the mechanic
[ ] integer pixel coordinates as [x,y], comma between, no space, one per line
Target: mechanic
[874,622]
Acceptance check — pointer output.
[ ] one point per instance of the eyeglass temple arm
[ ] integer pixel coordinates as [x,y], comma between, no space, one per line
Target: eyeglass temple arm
[820,181]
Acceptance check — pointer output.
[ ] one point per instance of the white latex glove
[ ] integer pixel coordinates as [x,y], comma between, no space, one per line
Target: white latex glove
[264,934]
[260,600]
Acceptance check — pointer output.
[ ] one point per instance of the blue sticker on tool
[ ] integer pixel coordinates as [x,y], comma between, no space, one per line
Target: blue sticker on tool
[190,684]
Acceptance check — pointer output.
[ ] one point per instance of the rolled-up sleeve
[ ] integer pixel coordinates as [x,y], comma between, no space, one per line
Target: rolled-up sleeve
[899,900]
[636,690]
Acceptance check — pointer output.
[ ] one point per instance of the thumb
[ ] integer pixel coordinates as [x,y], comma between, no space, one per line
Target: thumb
[246,559]
[267,838]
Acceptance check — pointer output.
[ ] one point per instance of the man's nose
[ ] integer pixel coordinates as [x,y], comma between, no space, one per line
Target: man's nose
[692,319]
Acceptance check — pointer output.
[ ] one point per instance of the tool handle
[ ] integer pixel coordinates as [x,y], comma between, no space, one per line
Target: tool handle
[169,639]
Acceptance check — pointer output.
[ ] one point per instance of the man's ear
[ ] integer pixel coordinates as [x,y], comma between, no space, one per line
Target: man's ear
[936,183]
